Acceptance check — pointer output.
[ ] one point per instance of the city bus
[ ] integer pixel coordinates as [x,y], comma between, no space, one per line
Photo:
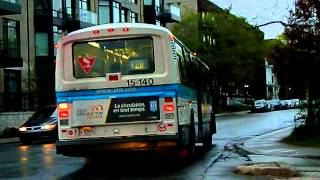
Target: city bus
[131,87]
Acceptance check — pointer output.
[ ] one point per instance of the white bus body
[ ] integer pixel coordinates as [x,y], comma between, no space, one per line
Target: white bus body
[118,87]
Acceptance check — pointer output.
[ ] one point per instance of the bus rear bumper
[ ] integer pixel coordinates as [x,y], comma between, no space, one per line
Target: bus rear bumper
[91,146]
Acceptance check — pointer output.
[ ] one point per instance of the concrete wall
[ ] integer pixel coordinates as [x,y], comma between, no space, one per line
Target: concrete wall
[13,119]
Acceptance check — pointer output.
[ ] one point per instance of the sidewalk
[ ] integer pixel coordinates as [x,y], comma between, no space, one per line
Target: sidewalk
[9,140]
[268,148]
[270,144]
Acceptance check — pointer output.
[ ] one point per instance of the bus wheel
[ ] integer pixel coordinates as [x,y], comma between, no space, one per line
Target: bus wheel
[207,142]
[192,137]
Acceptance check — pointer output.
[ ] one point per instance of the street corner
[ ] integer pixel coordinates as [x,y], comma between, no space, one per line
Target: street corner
[274,169]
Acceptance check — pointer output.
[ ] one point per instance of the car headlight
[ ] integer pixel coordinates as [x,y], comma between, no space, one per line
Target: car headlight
[22,129]
[48,126]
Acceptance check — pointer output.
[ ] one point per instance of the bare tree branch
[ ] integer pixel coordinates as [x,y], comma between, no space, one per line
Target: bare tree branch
[273,22]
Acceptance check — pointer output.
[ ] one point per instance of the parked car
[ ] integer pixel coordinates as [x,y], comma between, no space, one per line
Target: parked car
[295,103]
[303,103]
[42,125]
[260,106]
[289,103]
[284,104]
[300,115]
[275,104]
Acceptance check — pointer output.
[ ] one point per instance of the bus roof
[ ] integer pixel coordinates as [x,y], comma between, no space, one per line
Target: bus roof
[121,25]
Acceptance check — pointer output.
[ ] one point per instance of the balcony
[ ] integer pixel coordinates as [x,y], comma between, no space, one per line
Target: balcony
[9,7]
[10,54]
[172,14]
[86,17]
[73,19]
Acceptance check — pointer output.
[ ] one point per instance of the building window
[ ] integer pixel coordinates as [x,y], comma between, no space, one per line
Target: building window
[157,5]
[116,12]
[124,15]
[11,38]
[104,12]
[84,4]
[133,1]
[12,90]
[11,30]
[69,7]
[41,44]
[57,8]
[147,2]
[133,17]
[56,36]
[12,79]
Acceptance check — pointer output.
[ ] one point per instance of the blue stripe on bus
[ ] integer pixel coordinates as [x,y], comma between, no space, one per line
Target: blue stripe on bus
[161,91]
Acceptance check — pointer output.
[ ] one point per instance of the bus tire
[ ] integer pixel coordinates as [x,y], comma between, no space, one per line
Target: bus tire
[25,141]
[207,142]
[191,147]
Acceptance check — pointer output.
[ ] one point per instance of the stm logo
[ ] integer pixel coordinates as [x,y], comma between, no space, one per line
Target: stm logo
[153,106]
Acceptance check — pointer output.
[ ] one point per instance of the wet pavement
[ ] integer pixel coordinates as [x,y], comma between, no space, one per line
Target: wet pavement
[241,138]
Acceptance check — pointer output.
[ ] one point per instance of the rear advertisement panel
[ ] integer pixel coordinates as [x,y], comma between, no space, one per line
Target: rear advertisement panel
[115,110]
[134,109]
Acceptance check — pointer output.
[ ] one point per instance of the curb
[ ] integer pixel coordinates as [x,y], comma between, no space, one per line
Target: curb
[9,140]
[232,113]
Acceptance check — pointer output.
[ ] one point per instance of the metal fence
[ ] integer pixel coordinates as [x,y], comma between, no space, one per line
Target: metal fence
[14,102]
[11,49]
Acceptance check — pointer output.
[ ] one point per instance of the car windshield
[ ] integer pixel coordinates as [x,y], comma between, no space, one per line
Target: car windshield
[41,116]
[259,102]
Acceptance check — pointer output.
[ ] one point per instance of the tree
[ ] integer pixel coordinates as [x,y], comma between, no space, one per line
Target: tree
[303,35]
[235,48]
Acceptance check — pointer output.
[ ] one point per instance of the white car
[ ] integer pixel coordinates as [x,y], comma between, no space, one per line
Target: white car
[295,103]
[260,105]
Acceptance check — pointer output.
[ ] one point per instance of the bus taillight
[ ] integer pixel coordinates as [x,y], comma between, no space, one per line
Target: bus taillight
[63,114]
[113,77]
[63,106]
[168,107]
[64,109]
[168,99]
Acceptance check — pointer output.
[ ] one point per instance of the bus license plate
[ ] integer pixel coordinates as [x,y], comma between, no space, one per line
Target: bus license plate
[87,131]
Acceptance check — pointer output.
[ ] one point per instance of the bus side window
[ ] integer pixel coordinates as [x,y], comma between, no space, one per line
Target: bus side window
[181,61]
[189,67]
[193,72]
[180,67]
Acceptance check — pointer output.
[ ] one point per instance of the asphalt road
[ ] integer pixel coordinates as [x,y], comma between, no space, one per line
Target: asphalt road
[39,161]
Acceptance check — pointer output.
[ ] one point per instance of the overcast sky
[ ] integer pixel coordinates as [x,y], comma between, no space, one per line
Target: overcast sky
[260,12]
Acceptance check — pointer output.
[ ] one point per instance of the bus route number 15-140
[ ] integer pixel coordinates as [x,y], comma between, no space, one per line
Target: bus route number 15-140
[140,82]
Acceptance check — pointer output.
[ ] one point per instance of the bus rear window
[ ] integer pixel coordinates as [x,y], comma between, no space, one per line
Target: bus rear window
[125,56]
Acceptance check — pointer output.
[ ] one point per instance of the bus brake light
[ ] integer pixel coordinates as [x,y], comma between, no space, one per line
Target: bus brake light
[63,114]
[113,77]
[168,108]
[168,99]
